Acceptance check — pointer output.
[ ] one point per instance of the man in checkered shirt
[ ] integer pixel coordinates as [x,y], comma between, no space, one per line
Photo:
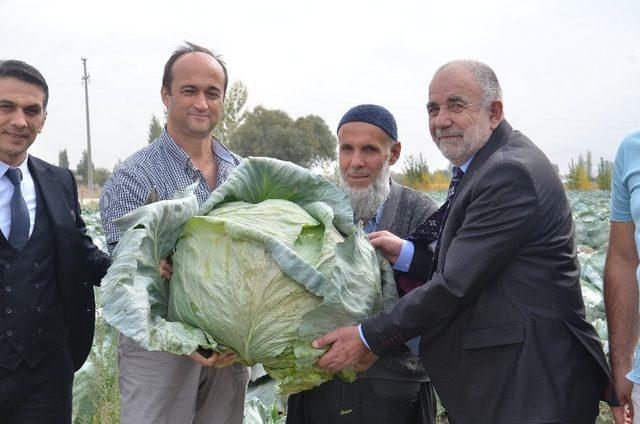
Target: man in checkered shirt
[160,387]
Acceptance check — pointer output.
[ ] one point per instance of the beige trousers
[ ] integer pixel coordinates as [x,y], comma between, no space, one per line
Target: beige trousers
[160,387]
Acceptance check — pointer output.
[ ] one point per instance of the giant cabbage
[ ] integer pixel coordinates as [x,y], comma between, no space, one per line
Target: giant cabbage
[269,262]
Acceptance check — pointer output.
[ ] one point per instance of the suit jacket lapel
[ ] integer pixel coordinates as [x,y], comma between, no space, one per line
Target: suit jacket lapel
[59,212]
[390,207]
[498,139]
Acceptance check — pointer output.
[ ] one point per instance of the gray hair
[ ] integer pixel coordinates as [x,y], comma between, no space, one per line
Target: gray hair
[485,77]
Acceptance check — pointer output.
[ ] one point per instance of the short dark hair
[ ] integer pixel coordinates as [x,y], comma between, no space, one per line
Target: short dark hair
[24,72]
[167,76]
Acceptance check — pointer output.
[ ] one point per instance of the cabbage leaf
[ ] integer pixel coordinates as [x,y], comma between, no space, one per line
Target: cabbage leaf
[269,262]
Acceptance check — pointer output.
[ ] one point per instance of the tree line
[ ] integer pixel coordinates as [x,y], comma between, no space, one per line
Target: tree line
[416,174]
[308,142]
[100,174]
[581,177]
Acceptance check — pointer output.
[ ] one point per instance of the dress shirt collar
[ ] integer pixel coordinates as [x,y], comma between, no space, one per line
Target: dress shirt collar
[181,156]
[465,165]
[23,167]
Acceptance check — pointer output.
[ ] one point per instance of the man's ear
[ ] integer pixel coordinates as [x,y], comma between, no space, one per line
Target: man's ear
[44,118]
[496,114]
[396,147]
[164,93]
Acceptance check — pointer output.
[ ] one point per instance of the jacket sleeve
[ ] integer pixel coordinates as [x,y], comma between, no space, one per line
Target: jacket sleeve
[499,216]
[421,261]
[97,260]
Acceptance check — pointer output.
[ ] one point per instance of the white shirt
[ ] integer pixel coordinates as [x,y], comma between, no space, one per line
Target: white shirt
[28,189]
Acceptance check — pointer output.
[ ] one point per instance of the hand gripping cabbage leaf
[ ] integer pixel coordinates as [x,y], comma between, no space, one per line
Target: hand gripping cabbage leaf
[271,261]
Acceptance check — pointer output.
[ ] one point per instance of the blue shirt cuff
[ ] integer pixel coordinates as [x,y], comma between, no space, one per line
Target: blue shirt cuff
[406,256]
[362,336]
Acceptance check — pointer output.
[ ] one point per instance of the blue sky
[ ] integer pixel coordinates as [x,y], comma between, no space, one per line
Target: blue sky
[569,69]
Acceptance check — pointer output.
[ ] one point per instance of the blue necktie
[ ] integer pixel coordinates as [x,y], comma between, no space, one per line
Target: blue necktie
[19,233]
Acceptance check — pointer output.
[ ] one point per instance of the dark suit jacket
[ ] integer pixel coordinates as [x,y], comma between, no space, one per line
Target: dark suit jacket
[79,263]
[504,335]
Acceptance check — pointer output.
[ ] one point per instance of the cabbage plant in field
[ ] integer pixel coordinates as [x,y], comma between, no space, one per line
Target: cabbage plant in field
[270,261]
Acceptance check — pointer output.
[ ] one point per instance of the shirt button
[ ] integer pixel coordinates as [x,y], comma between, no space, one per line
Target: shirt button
[36,265]
[9,333]
[37,286]
[8,310]
[39,331]
[7,289]
[7,265]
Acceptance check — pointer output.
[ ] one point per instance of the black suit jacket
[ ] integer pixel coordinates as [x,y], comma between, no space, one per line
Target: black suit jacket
[504,335]
[79,263]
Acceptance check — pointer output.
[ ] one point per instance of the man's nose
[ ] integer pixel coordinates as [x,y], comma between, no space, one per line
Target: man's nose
[357,161]
[200,101]
[442,119]
[19,119]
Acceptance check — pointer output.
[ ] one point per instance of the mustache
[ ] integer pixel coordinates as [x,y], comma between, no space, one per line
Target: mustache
[445,133]
[350,172]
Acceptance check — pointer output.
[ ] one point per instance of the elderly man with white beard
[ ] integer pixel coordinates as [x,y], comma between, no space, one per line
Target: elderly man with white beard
[395,388]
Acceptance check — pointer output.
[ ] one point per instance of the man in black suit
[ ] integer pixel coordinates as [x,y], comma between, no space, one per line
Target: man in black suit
[47,263]
[504,335]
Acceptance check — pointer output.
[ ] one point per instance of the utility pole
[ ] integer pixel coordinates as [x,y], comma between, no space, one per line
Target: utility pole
[85,78]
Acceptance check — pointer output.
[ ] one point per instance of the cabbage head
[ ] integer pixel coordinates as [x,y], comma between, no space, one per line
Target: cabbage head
[270,261]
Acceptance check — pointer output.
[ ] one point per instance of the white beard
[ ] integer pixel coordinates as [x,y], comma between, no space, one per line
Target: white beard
[366,201]
[473,138]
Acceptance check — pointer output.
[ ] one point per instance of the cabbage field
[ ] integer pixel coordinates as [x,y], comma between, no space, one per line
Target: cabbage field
[96,398]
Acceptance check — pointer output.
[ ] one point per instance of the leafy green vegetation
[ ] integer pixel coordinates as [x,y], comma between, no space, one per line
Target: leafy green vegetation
[96,393]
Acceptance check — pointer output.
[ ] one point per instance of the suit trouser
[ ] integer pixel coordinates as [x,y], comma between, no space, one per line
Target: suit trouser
[160,387]
[39,394]
[365,401]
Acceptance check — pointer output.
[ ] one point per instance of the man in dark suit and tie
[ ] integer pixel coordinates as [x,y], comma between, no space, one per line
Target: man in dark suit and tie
[504,335]
[48,264]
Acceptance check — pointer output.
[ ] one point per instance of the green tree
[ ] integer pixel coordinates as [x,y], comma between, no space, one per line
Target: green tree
[234,113]
[604,175]
[415,172]
[264,132]
[155,129]
[589,166]
[101,175]
[81,169]
[578,178]
[63,159]
[321,142]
